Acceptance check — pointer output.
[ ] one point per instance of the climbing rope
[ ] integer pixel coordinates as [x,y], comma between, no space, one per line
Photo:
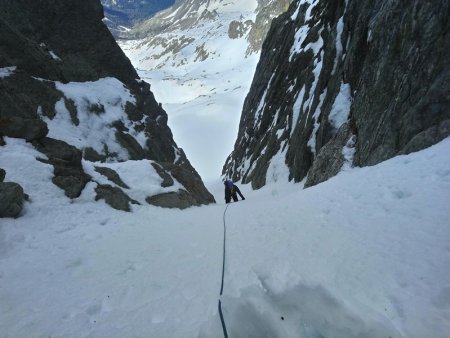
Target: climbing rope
[223,273]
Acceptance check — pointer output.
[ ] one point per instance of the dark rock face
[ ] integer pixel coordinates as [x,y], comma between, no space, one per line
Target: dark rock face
[114,196]
[11,199]
[345,62]
[74,31]
[49,44]
[410,95]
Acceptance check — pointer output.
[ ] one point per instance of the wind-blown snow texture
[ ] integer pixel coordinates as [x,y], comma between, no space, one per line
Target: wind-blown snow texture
[365,254]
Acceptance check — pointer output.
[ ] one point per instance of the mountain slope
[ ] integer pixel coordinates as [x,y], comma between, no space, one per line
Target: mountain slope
[120,15]
[69,89]
[339,84]
[202,55]
[187,32]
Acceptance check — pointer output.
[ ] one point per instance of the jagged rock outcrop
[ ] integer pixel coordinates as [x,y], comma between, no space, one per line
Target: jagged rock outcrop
[378,69]
[61,70]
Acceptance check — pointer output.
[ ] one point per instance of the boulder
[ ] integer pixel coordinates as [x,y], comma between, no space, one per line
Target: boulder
[114,196]
[72,185]
[11,199]
[2,174]
[181,200]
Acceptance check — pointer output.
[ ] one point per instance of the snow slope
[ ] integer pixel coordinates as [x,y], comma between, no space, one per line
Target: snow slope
[364,254]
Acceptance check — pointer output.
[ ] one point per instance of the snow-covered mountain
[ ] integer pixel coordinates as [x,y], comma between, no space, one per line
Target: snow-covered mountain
[194,30]
[201,56]
[120,15]
[340,83]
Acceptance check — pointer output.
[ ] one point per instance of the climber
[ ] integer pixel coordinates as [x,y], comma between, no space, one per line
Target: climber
[230,192]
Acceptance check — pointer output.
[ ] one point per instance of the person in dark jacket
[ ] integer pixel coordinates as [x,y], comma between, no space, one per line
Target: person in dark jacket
[231,191]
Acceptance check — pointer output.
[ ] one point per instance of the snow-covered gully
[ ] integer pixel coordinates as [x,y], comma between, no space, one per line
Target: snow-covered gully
[364,254]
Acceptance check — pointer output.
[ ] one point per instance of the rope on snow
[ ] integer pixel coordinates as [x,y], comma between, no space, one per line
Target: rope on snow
[224,328]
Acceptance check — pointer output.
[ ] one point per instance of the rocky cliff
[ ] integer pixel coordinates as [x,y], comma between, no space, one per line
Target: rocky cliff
[344,83]
[67,88]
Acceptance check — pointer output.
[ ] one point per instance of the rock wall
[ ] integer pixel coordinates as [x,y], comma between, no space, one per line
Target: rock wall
[46,47]
[347,82]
